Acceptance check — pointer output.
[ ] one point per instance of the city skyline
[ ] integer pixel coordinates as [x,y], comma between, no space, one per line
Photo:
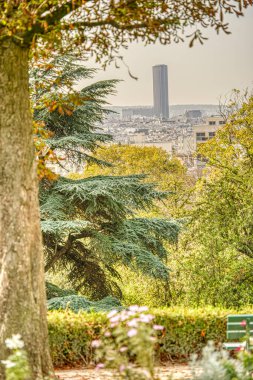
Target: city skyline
[198,75]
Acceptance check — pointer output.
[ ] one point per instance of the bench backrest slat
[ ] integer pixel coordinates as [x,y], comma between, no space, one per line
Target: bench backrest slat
[239,317]
[235,327]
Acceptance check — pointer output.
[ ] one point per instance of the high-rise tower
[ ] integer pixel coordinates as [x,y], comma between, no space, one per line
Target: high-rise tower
[160,91]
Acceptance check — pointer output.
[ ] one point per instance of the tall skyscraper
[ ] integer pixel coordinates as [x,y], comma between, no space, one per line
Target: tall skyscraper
[160,91]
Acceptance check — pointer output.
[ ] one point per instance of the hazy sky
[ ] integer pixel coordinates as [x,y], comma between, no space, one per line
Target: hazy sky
[196,75]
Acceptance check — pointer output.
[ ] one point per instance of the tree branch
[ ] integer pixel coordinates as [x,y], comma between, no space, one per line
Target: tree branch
[67,247]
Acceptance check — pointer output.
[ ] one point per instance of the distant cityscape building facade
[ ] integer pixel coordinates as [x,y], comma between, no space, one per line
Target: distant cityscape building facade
[160,91]
[204,132]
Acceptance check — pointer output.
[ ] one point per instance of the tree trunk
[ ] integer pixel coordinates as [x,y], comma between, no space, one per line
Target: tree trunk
[22,289]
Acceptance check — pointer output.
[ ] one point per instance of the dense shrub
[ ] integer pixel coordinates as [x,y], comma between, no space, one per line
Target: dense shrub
[54,291]
[70,336]
[186,331]
[77,303]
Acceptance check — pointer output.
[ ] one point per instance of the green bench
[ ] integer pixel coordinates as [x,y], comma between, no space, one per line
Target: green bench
[239,327]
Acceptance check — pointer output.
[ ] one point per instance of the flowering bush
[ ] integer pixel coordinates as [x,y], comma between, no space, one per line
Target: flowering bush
[217,365]
[127,344]
[16,365]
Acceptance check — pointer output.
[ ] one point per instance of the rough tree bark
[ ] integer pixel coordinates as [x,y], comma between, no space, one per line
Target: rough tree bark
[22,289]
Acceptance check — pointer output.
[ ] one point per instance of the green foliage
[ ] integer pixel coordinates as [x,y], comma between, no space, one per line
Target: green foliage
[16,365]
[224,198]
[105,209]
[196,279]
[102,29]
[18,368]
[138,289]
[206,275]
[55,99]
[71,334]
[78,303]
[167,172]
[187,331]
[90,224]
[54,291]
[212,262]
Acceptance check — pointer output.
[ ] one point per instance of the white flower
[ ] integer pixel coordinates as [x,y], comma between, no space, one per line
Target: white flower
[132,332]
[123,349]
[14,342]
[8,363]
[96,343]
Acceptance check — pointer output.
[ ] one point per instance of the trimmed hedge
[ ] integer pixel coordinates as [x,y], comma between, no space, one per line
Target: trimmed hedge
[70,336]
[186,332]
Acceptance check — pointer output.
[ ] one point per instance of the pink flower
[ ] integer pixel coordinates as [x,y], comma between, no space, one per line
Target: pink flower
[115,319]
[158,327]
[123,349]
[122,368]
[96,343]
[100,365]
[133,323]
[146,373]
[134,308]
[143,308]
[243,323]
[146,318]
[112,325]
[131,333]
[112,313]
[239,349]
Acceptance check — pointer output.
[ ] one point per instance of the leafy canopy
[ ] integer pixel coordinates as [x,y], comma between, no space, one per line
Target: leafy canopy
[224,198]
[102,27]
[167,172]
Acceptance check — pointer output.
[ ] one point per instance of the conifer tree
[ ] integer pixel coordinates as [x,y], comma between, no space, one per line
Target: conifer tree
[91,224]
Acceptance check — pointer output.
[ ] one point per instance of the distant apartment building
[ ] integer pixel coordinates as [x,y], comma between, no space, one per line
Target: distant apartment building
[206,131]
[127,114]
[160,91]
[193,116]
